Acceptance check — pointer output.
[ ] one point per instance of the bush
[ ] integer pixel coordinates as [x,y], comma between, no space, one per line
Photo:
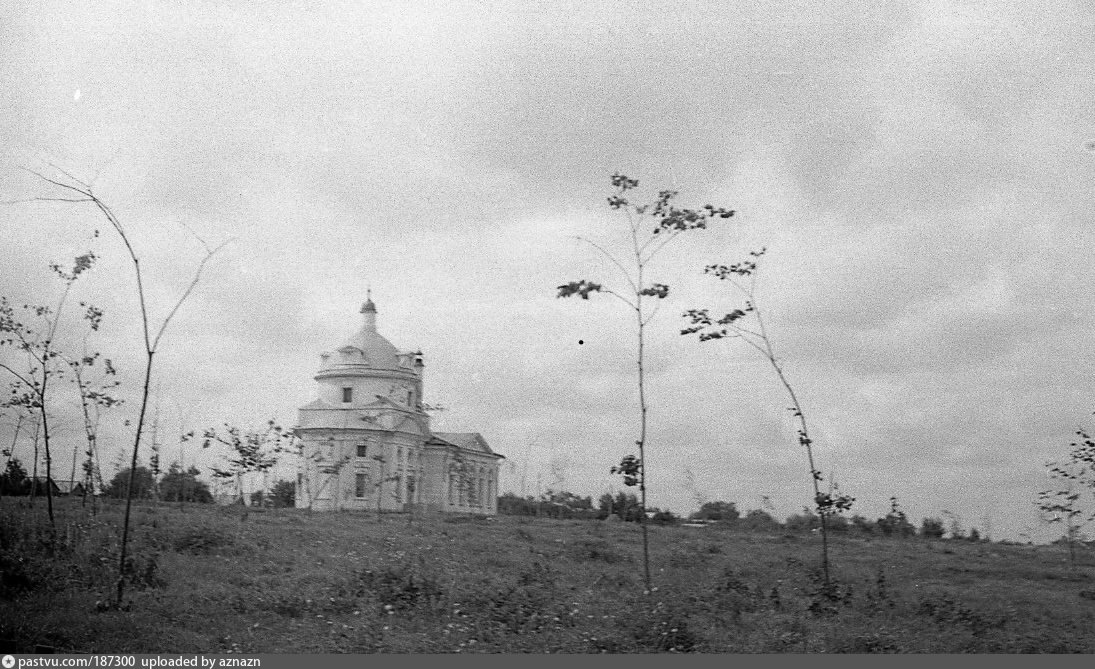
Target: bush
[758,521]
[716,511]
[862,525]
[932,528]
[802,522]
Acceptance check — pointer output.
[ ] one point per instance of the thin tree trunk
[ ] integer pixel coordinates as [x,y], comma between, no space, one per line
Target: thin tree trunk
[132,476]
[642,445]
[34,470]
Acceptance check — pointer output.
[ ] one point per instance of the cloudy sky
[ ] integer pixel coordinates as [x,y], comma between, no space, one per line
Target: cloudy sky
[919,174]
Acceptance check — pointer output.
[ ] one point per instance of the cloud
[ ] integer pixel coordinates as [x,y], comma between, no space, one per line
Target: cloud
[916,172]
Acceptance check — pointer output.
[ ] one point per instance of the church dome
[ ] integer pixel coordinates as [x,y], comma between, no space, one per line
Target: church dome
[377,351]
[366,349]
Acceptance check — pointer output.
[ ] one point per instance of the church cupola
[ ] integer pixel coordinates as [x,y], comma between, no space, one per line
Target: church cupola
[369,311]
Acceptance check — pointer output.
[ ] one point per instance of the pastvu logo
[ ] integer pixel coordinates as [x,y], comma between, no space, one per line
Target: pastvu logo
[8,661]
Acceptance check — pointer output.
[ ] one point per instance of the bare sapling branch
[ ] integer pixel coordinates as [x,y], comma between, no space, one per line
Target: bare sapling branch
[742,277]
[83,192]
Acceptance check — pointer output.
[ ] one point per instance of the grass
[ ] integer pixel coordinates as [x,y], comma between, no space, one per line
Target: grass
[214,580]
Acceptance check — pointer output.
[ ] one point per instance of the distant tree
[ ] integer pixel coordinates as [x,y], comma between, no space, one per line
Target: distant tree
[140,484]
[802,522]
[838,523]
[895,523]
[14,480]
[183,486]
[747,324]
[758,520]
[663,517]
[645,239]
[564,505]
[283,494]
[95,378]
[510,504]
[862,524]
[931,528]
[726,511]
[604,506]
[628,507]
[252,451]
[31,388]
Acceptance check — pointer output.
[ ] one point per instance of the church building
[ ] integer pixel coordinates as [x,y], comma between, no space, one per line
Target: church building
[367,440]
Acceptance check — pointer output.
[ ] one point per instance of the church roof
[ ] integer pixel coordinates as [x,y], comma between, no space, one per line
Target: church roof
[468,441]
[378,352]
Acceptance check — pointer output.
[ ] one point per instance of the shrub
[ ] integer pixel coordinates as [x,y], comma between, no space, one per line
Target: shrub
[757,520]
[932,528]
[802,522]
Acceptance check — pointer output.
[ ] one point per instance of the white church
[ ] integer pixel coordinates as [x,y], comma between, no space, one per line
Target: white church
[367,438]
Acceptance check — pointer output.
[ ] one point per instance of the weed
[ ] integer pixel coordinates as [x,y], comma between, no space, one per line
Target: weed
[662,628]
[944,609]
[880,596]
[597,550]
[141,570]
[826,595]
[399,588]
[200,541]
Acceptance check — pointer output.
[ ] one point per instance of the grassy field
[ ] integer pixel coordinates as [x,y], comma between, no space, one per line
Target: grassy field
[213,580]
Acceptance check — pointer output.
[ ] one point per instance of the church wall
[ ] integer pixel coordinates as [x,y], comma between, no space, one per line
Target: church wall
[365,390]
[338,491]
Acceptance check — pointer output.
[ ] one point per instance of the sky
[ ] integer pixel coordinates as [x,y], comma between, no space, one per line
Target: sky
[919,172]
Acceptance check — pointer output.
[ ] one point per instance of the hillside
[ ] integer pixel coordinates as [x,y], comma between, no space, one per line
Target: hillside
[213,579]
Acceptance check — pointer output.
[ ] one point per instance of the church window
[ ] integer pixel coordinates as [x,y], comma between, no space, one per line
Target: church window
[359,485]
[410,398]
[347,395]
[362,450]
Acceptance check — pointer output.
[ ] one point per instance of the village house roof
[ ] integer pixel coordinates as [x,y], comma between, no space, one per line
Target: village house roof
[64,487]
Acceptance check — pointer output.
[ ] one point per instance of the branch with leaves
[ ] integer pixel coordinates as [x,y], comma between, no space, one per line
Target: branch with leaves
[1064,503]
[747,324]
[651,227]
[95,378]
[31,389]
[251,452]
